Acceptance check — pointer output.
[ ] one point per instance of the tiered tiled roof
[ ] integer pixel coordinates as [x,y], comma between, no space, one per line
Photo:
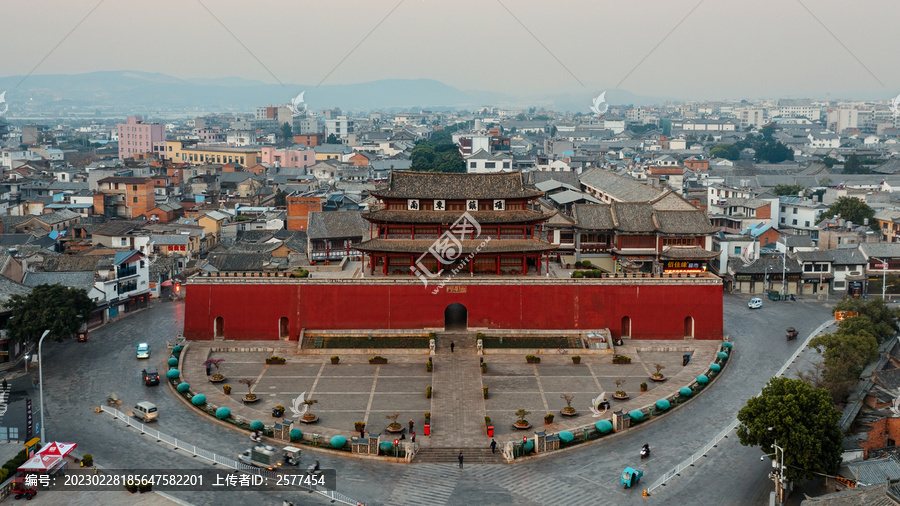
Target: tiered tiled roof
[439,217]
[455,186]
[468,246]
[337,224]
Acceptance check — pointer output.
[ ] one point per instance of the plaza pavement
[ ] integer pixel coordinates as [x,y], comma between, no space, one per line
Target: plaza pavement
[355,390]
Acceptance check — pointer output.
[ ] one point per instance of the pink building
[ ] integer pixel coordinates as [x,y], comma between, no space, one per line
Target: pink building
[136,138]
[293,158]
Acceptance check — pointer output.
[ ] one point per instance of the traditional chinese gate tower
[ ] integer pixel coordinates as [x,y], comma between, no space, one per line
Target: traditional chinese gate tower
[431,224]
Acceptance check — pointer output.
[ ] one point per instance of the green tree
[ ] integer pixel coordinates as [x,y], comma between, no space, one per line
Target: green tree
[850,209]
[767,132]
[773,152]
[60,309]
[846,353]
[829,161]
[286,132]
[788,189]
[854,166]
[803,422]
[449,161]
[727,151]
[332,139]
[882,317]
[422,157]
[280,198]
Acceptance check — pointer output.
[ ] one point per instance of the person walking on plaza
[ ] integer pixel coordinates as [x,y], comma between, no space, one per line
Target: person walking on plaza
[208,369]
[493,445]
[452,345]
[4,384]
[460,460]
[414,437]
[411,425]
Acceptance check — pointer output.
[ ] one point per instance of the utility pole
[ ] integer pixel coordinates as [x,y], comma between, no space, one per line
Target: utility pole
[778,474]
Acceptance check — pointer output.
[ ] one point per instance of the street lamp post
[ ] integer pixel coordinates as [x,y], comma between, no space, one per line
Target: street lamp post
[41,383]
[883,277]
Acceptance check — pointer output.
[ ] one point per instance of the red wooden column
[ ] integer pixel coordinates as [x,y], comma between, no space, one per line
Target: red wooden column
[472,266]
[413,232]
[524,265]
[498,264]
[385,266]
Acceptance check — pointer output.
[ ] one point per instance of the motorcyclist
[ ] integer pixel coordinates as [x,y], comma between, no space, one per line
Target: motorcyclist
[645,450]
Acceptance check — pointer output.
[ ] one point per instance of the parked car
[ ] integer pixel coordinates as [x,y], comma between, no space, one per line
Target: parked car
[143,350]
[146,412]
[150,376]
[755,303]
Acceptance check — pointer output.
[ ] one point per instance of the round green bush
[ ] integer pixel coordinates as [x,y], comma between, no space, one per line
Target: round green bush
[296,435]
[223,413]
[198,400]
[728,345]
[685,391]
[172,361]
[566,436]
[176,348]
[722,354]
[183,387]
[529,445]
[256,425]
[715,367]
[577,274]
[663,404]
[603,426]
[702,379]
[338,442]
[173,374]
[386,446]
[636,415]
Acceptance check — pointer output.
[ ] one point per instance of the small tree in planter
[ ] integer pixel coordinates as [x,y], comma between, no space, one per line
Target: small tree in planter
[309,417]
[395,426]
[621,359]
[658,375]
[643,387]
[576,359]
[131,486]
[484,390]
[548,418]
[487,421]
[215,362]
[278,411]
[274,359]
[359,426]
[250,397]
[521,422]
[335,360]
[483,368]
[568,410]
[428,392]
[429,366]
[227,389]
[620,394]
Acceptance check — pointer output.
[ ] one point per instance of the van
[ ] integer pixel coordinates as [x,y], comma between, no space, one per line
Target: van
[146,412]
[755,303]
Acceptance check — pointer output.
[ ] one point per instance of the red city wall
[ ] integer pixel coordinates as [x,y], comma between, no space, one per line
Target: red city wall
[252,311]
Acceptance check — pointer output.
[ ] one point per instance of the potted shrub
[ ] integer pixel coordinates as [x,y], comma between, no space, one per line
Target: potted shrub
[548,418]
[309,417]
[577,274]
[274,359]
[131,486]
[250,397]
[378,359]
[87,460]
[620,394]
[429,366]
[428,392]
[568,410]
[145,486]
[485,392]
[335,360]
[483,368]
[621,359]
[487,421]
[658,375]
[521,422]
[215,362]
[278,411]
[227,389]
[359,426]
[395,426]
[643,387]
[576,359]
[532,359]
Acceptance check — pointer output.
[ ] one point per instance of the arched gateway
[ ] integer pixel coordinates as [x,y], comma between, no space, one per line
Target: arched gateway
[456,317]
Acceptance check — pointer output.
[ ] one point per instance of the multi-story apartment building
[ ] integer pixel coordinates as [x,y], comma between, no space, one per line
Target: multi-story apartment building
[124,197]
[184,151]
[288,157]
[136,137]
[279,114]
[800,215]
[340,127]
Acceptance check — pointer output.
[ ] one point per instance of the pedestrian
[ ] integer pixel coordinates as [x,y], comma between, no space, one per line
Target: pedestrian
[452,345]
[4,384]
[460,460]
[413,437]
[493,445]
[411,425]
[362,433]
[208,369]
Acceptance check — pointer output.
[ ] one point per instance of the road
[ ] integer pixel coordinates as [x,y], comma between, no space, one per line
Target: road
[79,377]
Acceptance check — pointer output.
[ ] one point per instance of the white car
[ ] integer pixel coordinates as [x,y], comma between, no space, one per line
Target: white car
[755,303]
[143,350]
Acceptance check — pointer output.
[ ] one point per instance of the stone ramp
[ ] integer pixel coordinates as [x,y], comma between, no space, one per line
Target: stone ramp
[457,415]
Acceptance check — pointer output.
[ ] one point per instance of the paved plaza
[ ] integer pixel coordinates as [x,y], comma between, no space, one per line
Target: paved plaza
[356,390]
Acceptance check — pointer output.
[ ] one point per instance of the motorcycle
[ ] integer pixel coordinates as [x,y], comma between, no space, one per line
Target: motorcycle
[645,451]
[256,437]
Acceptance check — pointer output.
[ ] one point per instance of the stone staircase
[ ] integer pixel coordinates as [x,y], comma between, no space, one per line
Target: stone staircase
[450,455]
[464,342]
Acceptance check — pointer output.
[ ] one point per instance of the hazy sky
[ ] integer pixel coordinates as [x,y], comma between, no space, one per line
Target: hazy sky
[724,49]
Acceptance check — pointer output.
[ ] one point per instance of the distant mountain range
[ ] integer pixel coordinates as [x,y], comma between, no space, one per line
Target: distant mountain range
[124,90]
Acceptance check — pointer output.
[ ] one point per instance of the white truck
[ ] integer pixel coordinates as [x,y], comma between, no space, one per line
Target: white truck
[262,455]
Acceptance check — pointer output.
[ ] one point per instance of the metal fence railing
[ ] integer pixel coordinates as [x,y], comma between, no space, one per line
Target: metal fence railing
[214,458]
